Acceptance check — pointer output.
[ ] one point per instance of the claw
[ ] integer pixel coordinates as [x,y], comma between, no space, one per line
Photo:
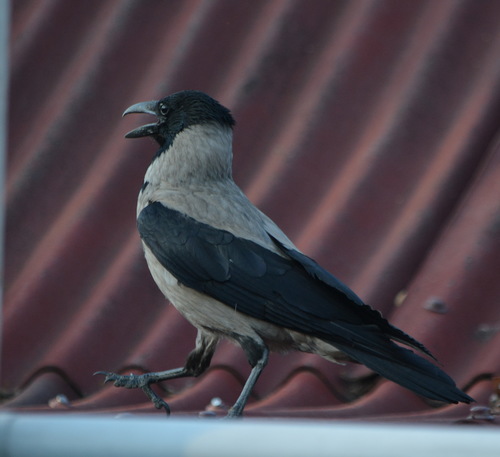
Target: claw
[163,405]
[108,376]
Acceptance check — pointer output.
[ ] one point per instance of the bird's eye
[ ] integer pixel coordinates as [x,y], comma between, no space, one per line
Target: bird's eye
[163,109]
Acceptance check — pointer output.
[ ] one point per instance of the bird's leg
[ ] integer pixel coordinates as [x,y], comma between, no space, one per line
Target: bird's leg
[197,362]
[237,409]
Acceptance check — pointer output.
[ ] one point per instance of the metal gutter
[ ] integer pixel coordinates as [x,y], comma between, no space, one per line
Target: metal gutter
[33,435]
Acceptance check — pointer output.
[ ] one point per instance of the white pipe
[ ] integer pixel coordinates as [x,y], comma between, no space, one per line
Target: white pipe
[4,83]
[79,435]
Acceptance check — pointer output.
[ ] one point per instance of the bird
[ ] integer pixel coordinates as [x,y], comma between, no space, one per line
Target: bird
[233,273]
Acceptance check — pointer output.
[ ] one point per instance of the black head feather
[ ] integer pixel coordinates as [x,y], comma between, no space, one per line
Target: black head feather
[177,112]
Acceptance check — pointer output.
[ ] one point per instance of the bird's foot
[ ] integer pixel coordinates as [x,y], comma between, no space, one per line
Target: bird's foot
[134,381]
[235,411]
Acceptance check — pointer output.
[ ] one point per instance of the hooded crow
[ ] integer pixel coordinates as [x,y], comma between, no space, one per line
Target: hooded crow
[232,273]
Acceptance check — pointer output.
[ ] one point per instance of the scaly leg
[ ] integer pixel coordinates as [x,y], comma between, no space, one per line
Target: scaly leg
[237,408]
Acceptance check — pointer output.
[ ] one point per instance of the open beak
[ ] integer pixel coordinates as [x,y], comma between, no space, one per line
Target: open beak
[143,130]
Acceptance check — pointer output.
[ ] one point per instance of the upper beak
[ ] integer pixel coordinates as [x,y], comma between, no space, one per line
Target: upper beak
[144,130]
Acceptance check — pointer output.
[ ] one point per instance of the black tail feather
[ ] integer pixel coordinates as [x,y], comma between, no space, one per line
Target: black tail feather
[408,369]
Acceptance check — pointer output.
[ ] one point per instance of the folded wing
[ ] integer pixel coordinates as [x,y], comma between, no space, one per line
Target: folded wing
[291,291]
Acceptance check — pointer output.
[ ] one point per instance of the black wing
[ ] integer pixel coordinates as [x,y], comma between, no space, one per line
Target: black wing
[291,291]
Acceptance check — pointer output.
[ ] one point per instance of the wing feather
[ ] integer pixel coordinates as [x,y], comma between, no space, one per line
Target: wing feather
[289,290]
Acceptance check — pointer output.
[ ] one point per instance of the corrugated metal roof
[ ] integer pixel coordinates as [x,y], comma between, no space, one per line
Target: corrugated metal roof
[368,130]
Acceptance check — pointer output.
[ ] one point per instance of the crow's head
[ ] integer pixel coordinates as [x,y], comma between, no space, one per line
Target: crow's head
[178,112]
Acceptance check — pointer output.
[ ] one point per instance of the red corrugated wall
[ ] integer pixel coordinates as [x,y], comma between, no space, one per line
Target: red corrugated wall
[368,130]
